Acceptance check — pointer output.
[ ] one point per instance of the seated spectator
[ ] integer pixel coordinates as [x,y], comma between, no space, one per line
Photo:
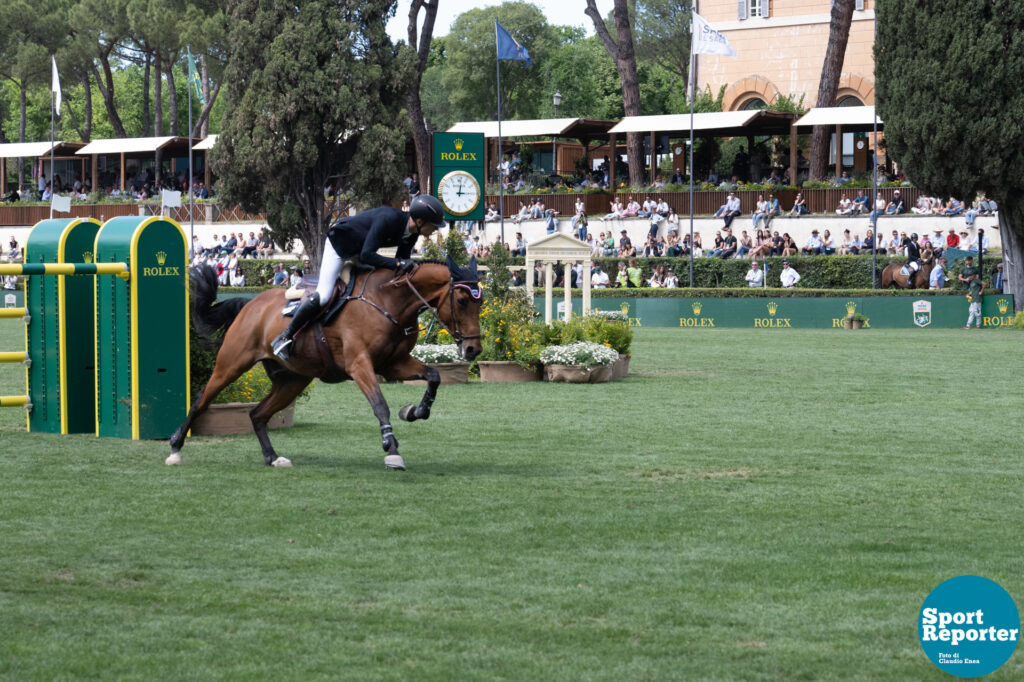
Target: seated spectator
[987,206]
[652,249]
[895,206]
[266,246]
[647,208]
[857,245]
[280,276]
[537,210]
[662,209]
[716,250]
[845,206]
[880,205]
[13,250]
[598,278]
[519,246]
[761,246]
[523,214]
[608,245]
[745,245]
[229,245]
[672,220]
[937,242]
[778,243]
[860,203]
[655,224]
[632,209]
[237,279]
[492,215]
[953,207]
[952,240]
[937,278]
[844,178]
[677,178]
[622,277]
[846,247]
[294,277]
[828,244]
[252,245]
[14,197]
[869,243]
[729,244]
[894,245]
[634,273]
[755,275]
[729,210]
[979,238]
[923,206]
[788,277]
[47,193]
[670,281]
[698,246]
[813,245]
[657,278]
[10,282]
[799,206]
[789,247]
[773,210]
[673,249]
[760,211]
[616,210]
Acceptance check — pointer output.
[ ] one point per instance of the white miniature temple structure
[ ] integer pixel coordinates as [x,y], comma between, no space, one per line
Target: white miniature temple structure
[549,251]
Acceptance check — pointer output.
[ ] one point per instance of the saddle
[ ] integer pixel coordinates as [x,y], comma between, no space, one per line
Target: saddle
[329,309]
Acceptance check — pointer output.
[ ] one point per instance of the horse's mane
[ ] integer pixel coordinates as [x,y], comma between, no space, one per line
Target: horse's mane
[460,273]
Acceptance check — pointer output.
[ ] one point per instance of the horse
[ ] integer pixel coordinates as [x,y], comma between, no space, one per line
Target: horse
[892,277]
[372,334]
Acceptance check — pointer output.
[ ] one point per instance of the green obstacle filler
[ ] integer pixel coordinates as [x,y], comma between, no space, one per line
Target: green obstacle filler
[59,333]
[142,329]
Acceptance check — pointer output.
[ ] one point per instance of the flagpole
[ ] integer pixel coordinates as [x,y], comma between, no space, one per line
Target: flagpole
[53,184]
[191,194]
[501,180]
[693,92]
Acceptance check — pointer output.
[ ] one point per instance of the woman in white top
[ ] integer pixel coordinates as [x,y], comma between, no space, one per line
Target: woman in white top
[524,213]
[923,207]
[579,206]
[845,206]
[761,211]
[616,213]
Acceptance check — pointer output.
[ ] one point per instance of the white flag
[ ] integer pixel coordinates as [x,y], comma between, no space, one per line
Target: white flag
[56,84]
[170,199]
[61,204]
[706,40]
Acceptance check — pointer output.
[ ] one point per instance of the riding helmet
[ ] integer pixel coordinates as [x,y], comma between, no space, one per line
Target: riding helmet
[913,236]
[428,209]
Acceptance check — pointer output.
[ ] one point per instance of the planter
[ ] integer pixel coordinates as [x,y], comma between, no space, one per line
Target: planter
[574,374]
[501,372]
[227,418]
[451,373]
[853,324]
[621,366]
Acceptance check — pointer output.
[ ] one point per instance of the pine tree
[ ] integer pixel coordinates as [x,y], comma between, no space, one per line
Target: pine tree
[948,87]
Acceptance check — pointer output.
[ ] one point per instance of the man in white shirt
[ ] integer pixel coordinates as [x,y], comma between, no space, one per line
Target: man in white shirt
[813,245]
[789,276]
[598,278]
[731,209]
[755,275]
[671,281]
[980,237]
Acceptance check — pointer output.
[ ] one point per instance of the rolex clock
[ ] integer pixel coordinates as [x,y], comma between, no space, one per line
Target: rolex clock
[459,192]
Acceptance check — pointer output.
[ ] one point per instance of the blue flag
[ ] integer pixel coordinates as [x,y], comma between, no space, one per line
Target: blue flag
[509,47]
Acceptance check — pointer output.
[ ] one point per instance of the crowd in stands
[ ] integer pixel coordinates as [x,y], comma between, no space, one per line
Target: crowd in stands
[224,252]
[141,188]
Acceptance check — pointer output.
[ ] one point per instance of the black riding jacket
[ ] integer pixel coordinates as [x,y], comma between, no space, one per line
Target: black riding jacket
[361,235]
[913,251]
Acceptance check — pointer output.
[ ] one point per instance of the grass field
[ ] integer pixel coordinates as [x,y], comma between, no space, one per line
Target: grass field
[745,506]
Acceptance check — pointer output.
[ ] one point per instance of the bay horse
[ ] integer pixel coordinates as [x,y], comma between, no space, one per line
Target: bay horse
[892,277]
[373,334]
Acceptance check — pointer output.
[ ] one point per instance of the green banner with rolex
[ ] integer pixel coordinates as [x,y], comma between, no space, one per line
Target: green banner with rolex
[458,174]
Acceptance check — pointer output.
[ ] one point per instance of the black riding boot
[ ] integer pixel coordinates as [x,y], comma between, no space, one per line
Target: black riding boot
[306,312]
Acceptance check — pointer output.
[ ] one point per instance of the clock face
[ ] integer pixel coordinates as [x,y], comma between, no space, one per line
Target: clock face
[860,144]
[459,192]
[679,150]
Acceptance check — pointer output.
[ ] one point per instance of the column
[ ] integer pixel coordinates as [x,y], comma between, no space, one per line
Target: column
[587,265]
[839,151]
[653,155]
[529,280]
[611,158]
[568,290]
[122,172]
[792,155]
[549,281]
[95,173]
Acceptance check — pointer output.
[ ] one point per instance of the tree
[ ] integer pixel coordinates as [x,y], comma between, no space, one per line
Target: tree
[104,25]
[421,44]
[622,52]
[314,93]
[663,36]
[944,83]
[828,87]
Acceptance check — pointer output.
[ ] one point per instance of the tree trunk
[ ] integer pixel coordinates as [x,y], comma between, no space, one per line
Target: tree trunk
[422,46]
[106,86]
[1011,220]
[22,104]
[172,93]
[158,114]
[622,51]
[828,87]
[147,121]
[204,128]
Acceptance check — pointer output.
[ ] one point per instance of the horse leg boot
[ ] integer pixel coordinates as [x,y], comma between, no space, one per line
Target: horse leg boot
[412,368]
[306,312]
[362,372]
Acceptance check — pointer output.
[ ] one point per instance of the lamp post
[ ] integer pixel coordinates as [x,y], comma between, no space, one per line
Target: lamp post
[556,100]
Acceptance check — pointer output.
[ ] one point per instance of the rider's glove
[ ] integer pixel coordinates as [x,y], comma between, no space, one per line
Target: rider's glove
[405,265]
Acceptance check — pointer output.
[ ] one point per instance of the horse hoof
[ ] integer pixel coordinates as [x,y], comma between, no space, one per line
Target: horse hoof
[173,460]
[283,462]
[407,413]
[394,462]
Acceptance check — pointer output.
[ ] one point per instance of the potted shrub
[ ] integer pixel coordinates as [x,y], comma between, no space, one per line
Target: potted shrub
[229,412]
[511,342]
[854,321]
[584,362]
[444,357]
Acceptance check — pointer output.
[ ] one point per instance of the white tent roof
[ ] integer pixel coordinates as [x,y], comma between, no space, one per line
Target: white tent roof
[531,128]
[708,121]
[839,116]
[125,145]
[207,143]
[26,150]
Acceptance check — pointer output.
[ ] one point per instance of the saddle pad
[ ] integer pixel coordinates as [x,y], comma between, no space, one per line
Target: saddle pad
[905,271]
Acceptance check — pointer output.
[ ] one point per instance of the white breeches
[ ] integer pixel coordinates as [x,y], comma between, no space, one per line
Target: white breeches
[330,268]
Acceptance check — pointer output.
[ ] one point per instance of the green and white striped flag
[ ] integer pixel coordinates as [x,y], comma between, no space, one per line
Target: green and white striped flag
[193,77]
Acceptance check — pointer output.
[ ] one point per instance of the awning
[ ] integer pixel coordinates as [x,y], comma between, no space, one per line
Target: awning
[207,143]
[127,145]
[25,150]
[852,119]
[579,128]
[715,124]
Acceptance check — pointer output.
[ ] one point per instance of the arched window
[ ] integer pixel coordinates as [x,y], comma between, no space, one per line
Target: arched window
[752,104]
[849,101]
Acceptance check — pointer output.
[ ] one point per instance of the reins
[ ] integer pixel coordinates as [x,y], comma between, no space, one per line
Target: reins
[450,295]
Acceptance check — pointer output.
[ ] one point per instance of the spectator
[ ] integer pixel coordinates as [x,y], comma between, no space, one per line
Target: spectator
[266,247]
[13,252]
[760,211]
[952,240]
[998,281]
[634,273]
[813,245]
[295,277]
[730,209]
[655,223]
[677,178]
[745,245]
[717,249]
[652,249]
[657,278]
[923,206]
[672,220]
[237,278]
[845,206]
[799,206]
[976,290]
[895,244]
[280,277]
[624,241]
[987,206]
[762,245]
[598,278]
[10,282]
[536,209]
[229,245]
[869,243]
[860,203]
[47,193]
[608,245]
[622,277]
[953,207]
[755,275]
[789,247]
[616,210]
[844,178]
[828,244]
[789,277]
[977,239]
[492,215]
[937,242]
[777,244]
[937,278]
[414,186]
[895,207]
[519,246]
[729,244]
[774,210]
[14,197]
[671,281]
[580,223]
[252,246]
[846,247]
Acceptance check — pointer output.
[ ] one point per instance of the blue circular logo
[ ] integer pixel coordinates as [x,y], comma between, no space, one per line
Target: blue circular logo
[968,626]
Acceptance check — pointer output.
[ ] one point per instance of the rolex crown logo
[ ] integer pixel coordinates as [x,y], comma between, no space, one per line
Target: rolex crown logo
[87,257]
[851,307]
[161,258]
[1004,305]
[624,308]
[697,307]
[458,144]
[772,307]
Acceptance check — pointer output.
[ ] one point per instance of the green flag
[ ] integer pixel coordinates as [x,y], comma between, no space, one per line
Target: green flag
[193,77]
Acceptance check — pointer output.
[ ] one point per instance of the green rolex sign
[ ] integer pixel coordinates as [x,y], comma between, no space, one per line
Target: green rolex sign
[458,174]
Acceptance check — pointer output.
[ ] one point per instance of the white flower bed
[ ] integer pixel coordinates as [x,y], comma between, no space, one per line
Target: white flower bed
[583,354]
[616,315]
[433,353]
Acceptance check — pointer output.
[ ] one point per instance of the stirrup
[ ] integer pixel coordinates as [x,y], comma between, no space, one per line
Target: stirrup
[282,346]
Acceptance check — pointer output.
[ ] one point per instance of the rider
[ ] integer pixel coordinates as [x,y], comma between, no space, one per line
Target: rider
[354,241]
[913,255]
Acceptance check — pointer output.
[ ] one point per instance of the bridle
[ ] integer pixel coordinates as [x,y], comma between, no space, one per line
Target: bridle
[474,290]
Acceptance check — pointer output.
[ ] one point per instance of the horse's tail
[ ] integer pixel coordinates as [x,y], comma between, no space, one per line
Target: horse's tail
[211,319]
